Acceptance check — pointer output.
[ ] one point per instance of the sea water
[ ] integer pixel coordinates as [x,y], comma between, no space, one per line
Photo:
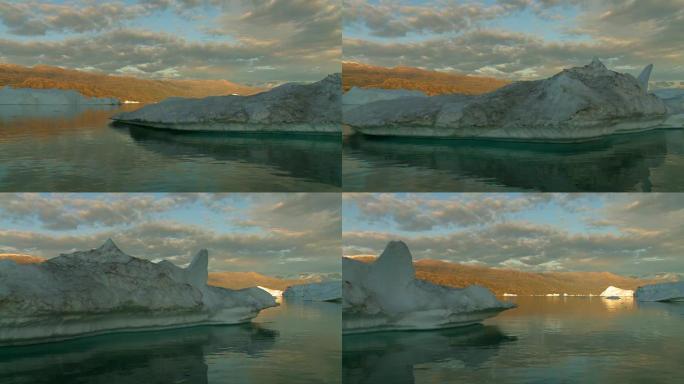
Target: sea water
[544,340]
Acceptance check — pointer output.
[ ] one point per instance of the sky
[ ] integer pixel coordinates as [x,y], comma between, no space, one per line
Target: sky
[628,234]
[517,39]
[246,41]
[275,234]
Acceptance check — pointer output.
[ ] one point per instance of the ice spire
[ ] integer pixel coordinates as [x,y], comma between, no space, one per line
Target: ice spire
[644,76]
[198,269]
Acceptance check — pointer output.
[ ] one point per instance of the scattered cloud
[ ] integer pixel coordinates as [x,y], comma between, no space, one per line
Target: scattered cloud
[546,36]
[277,234]
[630,234]
[244,41]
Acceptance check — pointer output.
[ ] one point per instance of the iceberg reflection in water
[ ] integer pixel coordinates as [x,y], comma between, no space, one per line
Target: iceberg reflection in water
[66,148]
[292,343]
[650,161]
[392,357]
[150,357]
[543,340]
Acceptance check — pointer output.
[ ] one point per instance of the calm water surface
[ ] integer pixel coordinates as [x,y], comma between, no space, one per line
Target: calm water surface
[544,340]
[293,343]
[66,148]
[644,162]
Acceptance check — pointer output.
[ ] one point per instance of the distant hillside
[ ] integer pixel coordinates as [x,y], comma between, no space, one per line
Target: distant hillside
[501,281]
[122,87]
[21,259]
[430,82]
[238,280]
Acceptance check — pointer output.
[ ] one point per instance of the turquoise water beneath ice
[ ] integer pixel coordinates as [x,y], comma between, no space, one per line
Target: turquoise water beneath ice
[293,343]
[67,148]
[642,162]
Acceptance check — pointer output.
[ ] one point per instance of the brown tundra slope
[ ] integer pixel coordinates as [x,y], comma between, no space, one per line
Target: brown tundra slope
[429,82]
[502,281]
[21,258]
[122,87]
[239,280]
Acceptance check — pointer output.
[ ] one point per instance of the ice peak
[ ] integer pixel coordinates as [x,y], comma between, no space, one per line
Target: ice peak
[198,269]
[397,260]
[109,246]
[596,63]
[644,76]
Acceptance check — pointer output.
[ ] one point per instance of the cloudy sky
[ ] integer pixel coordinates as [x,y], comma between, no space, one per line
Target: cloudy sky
[631,234]
[275,234]
[517,39]
[249,41]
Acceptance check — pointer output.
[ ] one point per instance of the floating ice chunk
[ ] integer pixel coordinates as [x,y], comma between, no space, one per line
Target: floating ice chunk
[33,96]
[673,291]
[616,292]
[324,291]
[576,104]
[385,295]
[105,290]
[290,107]
[276,293]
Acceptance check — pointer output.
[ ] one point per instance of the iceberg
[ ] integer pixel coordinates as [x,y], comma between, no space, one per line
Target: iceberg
[385,295]
[360,96]
[291,107]
[612,292]
[33,96]
[324,291]
[276,293]
[576,104]
[672,291]
[105,290]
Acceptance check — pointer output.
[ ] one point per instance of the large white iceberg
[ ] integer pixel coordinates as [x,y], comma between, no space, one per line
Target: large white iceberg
[617,292]
[385,295]
[672,291]
[576,104]
[292,107]
[33,96]
[105,290]
[323,291]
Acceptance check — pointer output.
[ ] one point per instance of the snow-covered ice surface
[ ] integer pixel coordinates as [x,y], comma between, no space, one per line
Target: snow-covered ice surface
[105,290]
[673,291]
[385,295]
[576,104]
[292,107]
[324,291]
[33,96]
[617,292]
[276,293]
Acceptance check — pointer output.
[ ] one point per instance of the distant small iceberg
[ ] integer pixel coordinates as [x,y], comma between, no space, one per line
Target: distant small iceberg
[672,291]
[323,291]
[276,293]
[386,295]
[612,292]
[34,96]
